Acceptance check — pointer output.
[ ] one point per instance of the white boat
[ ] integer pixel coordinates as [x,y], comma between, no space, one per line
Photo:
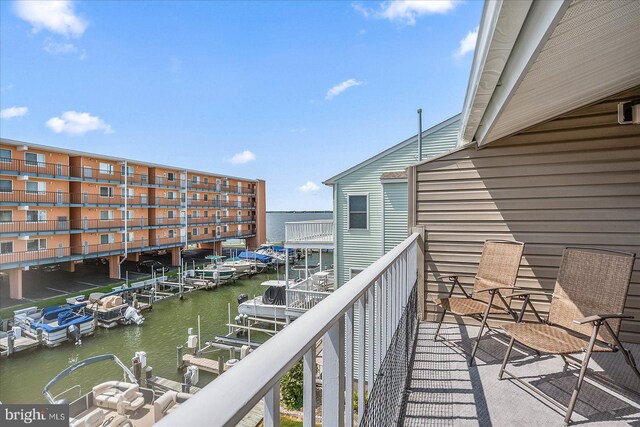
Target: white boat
[58,324]
[114,403]
[271,305]
[112,309]
[241,266]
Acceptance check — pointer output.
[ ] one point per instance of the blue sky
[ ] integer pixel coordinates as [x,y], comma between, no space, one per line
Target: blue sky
[290,92]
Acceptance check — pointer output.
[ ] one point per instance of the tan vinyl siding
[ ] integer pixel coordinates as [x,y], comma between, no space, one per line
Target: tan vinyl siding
[572,181]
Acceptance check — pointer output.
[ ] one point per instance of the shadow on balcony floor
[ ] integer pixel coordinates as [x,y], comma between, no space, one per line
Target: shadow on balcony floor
[446,392]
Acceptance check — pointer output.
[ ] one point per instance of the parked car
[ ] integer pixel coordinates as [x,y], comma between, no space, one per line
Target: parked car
[50,268]
[150,265]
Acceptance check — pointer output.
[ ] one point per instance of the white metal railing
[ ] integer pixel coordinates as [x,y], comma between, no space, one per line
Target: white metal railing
[380,292]
[304,300]
[309,231]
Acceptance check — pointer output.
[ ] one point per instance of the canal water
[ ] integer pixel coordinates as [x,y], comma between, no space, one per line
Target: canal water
[24,375]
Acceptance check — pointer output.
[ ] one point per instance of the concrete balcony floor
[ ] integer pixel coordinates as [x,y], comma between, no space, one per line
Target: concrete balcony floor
[445,391]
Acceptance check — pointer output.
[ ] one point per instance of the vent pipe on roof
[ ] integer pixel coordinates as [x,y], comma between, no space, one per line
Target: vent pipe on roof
[419,134]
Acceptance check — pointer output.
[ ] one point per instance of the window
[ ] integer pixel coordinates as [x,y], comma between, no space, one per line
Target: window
[106,239]
[226,183]
[33,159]
[128,237]
[171,195]
[36,245]
[36,187]
[196,231]
[5,155]
[358,212]
[218,215]
[353,272]
[106,215]
[217,184]
[172,233]
[128,215]
[106,169]
[226,213]
[129,193]
[129,170]
[6,216]
[206,181]
[6,186]
[6,248]
[226,228]
[195,179]
[106,191]
[171,214]
[196,214]
[206,214]
[206,230]
[171,176]
[206,197]
[36,216]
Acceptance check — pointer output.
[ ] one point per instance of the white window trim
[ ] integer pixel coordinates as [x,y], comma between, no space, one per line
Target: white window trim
[11,213]
[40,160]
[7,159]
[349,212]
[12,247]
[110,192]
[11,184]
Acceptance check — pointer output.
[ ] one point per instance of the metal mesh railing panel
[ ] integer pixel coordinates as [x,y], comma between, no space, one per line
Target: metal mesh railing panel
[387,399]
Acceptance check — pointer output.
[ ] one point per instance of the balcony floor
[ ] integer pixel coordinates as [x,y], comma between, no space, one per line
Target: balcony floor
[446,392]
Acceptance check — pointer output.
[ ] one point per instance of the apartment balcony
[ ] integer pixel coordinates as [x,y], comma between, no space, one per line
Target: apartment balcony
[199,203]
[35,198]
[88,174]
[33,168]
[375,348]
[165,202]
[307,234]
[161,221]
[163,182]
[91,225]
[25,228]
[166,241]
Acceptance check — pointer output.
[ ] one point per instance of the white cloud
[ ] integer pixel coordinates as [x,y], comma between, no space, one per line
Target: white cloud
[244,157]
[6,88]
[55,48]
[75,123]
[406,11]
[11,112]
[339,88]
[56,16]
[467,44]
[309,187]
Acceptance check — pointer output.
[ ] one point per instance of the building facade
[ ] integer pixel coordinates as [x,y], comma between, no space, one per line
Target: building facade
[62,206]
[370,200]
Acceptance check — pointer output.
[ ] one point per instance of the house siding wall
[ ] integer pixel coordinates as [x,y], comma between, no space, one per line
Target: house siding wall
[395,214]
[360,248]
[572,181]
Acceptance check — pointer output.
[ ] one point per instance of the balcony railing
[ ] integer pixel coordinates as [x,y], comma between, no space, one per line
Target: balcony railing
[164,201]
[161,241]
[164,182]
[161,220]
[52,226]
[34,168]
[385,297]
[308,232]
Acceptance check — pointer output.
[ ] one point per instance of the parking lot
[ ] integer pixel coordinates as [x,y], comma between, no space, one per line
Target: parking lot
[39,284]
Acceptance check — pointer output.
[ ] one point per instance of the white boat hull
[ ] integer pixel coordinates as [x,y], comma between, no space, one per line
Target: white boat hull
[256,308]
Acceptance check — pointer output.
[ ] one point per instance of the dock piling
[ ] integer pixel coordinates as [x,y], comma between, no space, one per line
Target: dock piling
[180,363]
[10,341]
[220,365]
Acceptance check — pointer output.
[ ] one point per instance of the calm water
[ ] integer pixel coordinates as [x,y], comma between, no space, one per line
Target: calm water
[23,376]
[276,220]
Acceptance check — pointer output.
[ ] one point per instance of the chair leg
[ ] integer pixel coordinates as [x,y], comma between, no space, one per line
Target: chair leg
[482,326]
[583,371]
[628,357]
[435,337]
[506,358]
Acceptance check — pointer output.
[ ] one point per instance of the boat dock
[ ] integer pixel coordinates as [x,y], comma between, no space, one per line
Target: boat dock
[19,344]
[166,384]
[203,363]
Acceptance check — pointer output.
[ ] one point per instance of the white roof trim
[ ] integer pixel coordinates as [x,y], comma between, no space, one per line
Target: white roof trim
[333,180]
[116,159]
[499,28]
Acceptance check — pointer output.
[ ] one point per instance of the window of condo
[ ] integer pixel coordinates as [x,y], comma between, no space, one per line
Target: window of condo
[358,212]
[128,237]
[128,215]
[106,168]
[196,214]
[130,170]
[106,191]
[196,231]
[36,187]
[36,216]
[171,214]
[6,186]
[195,179]
[171,195]
[171,176]
[6,247]
[226,228]
[34,159]
[129,193]
[206,230]
[206,197]
[5,155]
[106,215]
[6,216]
[206,181]
[172,233]
[36,245]
[105,239]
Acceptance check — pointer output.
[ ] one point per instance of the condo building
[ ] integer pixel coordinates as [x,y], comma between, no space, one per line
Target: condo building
[63,206]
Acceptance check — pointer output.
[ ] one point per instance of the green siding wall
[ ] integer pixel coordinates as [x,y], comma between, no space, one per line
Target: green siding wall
[360,248]
[395,214]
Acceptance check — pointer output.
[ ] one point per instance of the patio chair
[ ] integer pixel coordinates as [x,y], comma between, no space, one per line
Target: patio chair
[584,316]
[497,273]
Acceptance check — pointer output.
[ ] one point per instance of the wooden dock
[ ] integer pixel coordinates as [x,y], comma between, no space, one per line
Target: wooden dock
[203,363]
[19,344]
[254,417]
[167,384]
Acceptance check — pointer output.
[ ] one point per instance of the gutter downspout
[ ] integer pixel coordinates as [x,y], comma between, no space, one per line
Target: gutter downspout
[419,134]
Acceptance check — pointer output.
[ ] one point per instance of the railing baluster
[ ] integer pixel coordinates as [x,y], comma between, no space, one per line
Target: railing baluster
[361,356]
[349,364]
[309,387]
[370,342]
[272,407]
[378,322]
[333,375]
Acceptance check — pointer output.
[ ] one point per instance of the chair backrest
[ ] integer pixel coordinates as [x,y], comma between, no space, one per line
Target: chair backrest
[499,265]
[591,281]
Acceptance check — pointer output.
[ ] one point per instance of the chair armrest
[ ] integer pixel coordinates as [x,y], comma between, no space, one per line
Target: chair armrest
[528,293]
[454,276]
[598,317]
[495,288]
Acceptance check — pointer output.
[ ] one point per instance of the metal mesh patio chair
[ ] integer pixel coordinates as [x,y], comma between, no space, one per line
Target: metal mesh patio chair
[497,273]
[585,313]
